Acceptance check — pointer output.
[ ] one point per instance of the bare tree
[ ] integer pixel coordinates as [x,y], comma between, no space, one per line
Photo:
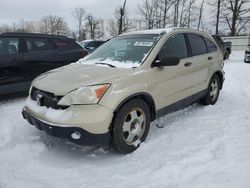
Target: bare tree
[30,26]
[200,15]
[54,25]
[78,15]
[121,17]
[148,11]
[113,31]
[184,13]
[165,7]
[216,10]
[159,13]
[121,23]
[20,26]
[5,28]
[236,15]
[176,12]
[218,16]
[94,27]
[190,13]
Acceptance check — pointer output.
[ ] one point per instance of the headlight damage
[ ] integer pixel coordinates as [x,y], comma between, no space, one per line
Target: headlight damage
[85,95]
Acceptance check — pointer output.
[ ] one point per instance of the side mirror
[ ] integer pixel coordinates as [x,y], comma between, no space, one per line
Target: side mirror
[166,61]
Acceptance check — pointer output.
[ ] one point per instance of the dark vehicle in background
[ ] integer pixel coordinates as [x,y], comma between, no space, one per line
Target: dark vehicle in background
[24,56]
[91,45]
[247,54]
[224,46]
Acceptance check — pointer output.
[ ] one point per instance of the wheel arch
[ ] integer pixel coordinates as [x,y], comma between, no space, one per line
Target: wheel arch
[144,96]
[220,74]
[229,50]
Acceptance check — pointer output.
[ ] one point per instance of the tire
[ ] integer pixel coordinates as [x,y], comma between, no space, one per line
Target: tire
[130,126]
[213,91]
[226,55]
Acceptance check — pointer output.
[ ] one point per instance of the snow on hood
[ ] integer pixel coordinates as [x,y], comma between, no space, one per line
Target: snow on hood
[115,63]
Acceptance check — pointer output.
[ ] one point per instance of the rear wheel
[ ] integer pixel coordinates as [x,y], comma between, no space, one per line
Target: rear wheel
[213,91]
[130,126]
[227,53]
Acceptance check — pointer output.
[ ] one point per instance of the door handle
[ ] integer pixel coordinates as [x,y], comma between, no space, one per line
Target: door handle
[187,64]
[210,58]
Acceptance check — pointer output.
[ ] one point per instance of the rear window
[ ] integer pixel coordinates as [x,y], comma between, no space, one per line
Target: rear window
[60,44]
[197,43]
[38,44]
[211,47]
[65,44]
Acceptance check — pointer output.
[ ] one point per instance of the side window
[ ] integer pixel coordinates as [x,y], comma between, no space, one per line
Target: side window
[38,44]
[9,45]
[197,44]
[175,46]
[211,47]
[61,44]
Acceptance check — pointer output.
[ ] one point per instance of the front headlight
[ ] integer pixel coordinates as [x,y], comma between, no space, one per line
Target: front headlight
[84,95]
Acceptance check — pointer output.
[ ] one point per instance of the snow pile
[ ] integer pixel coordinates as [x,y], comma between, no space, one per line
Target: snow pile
[199,146]
[108,62]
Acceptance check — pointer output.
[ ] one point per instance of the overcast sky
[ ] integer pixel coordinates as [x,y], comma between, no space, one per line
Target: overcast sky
[29,10]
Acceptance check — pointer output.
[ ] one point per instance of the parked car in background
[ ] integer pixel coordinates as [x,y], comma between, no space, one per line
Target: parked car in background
[91,45]
[112,95]
[247,54]
[24,56]
[224,46]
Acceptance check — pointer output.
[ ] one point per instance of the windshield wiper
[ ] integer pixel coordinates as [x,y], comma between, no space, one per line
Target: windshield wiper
[106,64]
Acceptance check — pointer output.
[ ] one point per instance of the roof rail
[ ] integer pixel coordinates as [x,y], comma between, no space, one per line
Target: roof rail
[31,34]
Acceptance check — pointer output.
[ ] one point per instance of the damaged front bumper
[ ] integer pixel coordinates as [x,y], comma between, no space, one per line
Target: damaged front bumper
[81,124]
[74,134]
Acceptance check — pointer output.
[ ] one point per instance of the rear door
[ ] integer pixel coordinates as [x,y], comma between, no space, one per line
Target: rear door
[68,51]
[40,56]
[201,61]
[12,68]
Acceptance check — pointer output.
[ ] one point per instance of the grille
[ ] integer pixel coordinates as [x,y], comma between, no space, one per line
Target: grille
[47,99]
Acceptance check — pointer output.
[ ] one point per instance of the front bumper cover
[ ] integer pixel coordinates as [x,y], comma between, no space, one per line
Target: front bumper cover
[86,138]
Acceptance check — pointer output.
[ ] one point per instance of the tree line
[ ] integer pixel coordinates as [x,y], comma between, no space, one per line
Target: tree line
[231,17]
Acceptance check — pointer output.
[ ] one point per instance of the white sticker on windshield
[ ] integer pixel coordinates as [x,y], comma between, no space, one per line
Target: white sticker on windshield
[143,43]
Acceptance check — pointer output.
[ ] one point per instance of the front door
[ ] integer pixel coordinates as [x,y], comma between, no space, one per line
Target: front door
[12,68]
[174,83]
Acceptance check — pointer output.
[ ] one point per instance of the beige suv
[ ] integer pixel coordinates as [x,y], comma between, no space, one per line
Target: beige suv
[111,96]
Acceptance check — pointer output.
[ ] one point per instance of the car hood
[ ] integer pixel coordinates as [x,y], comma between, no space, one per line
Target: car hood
[65,79]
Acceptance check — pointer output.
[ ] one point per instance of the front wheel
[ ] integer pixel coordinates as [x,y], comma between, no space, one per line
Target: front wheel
[213,91]
[130,126]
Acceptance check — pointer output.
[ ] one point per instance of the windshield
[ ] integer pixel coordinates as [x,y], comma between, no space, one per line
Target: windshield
[125,51]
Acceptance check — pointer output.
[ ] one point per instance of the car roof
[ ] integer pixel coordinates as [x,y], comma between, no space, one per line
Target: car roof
[163,31]
[32,35]
[92,40]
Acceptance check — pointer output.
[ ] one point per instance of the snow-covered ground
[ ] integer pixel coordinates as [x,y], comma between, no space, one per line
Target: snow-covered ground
[198,147]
